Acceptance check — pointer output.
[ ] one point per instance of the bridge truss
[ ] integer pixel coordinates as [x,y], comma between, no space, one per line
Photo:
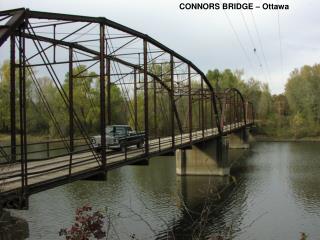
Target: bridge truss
[163,94]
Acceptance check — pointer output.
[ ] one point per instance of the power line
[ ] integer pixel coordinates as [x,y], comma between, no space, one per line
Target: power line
[238,38]
[260,44]
[253,44]
[280,42]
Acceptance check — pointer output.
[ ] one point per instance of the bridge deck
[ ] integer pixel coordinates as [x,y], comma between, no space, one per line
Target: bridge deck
[44,172]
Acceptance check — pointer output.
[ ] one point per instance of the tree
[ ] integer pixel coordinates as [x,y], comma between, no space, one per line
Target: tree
[5,97]
[265,101]
[302,91]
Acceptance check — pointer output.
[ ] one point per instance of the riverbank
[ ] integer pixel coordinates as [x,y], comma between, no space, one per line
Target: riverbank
[265,138]
[257,137]
[31,138]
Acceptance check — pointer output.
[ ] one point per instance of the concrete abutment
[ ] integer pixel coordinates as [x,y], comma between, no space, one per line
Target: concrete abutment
[211,157]
[239,139]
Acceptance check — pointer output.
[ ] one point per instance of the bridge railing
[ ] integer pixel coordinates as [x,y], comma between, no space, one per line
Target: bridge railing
[51,149]
[43,150]
[47,150]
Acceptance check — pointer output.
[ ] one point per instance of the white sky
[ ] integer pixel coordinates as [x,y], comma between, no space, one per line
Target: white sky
[206,37]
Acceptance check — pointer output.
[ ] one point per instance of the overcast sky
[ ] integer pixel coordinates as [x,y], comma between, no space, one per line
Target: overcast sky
[207,37]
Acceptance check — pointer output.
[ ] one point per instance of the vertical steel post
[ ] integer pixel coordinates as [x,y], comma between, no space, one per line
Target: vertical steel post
[13,98]
[231,111]
[102,98]
[236,105]
[211,111]
[216,113]
[24,115]
[54,46]
[135,100]
[146,104]
[71,130]
[223,117]
[190,103]
[205,109]
[234,109]
[155,107]
[202,108]
[108,70]
[246,113]
[21,106]
[23,135]
[227,113]
[199,111]
[172,100]
[238,109]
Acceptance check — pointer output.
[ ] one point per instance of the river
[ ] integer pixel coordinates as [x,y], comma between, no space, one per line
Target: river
[274,193]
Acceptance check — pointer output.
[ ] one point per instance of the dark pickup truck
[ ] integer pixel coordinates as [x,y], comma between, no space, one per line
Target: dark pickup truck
[119,137]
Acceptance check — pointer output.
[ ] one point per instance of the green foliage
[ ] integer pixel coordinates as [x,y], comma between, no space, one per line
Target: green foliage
[86,103]
[4,97]
[298,124]
[293,114]
[302,91]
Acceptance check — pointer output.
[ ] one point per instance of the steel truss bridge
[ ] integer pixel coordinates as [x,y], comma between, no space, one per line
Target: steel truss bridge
[163,94]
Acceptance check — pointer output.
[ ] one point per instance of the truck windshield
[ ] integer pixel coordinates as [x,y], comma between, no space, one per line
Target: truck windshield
[109,130]
[120,131]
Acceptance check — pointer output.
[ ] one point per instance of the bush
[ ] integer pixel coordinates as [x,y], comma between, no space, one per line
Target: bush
[87,225]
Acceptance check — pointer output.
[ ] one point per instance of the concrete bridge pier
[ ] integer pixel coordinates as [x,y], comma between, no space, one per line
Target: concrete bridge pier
[239,139]
[205,158]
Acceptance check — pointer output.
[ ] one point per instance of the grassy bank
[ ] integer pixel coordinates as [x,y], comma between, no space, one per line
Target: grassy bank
[281,131]
[266,138]
[6,138]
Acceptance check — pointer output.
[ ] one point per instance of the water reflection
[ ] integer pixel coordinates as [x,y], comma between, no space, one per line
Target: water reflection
[199,196]
[304,175]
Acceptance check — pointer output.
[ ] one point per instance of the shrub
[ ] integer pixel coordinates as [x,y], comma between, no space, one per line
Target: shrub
[87,225]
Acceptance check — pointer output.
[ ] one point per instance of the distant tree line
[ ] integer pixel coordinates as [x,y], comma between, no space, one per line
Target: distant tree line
[295,113]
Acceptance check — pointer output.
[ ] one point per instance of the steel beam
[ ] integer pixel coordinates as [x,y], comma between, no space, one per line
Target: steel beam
[135,100]
[71,109]
[190,103]
[13,97]
[22,111]
[172,100]
[202,109]
[146,104]
[108,76]
[102,99]
[10,27]
[155,108]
